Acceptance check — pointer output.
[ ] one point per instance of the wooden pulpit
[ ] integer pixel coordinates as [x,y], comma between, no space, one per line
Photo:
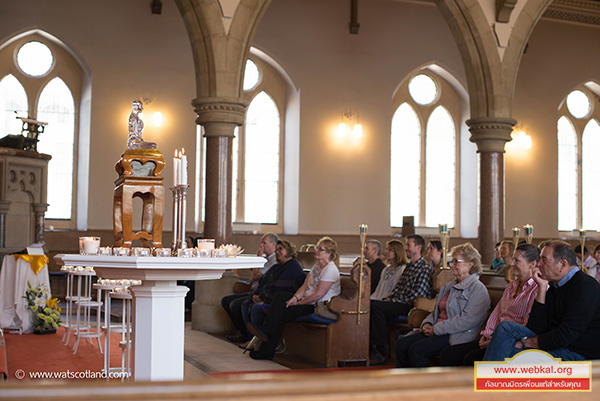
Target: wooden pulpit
[139,176]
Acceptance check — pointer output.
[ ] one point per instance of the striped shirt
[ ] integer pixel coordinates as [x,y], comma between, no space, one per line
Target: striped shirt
[416,281]
[511,308]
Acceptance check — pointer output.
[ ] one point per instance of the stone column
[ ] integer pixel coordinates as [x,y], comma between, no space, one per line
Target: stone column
[39,211]
[219,117]
[4,208]
[490,134]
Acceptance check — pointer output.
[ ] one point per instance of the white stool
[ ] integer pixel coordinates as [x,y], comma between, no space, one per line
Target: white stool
[72,296]
[68,302]
[125,329]
[85,304]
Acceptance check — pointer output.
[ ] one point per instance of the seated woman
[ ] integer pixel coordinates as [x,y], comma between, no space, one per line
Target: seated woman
[286,276]
[434,254]
[514,305]
[460,310]
[395,255]
[321,284]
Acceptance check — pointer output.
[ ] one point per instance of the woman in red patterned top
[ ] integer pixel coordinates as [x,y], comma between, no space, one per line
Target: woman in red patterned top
[514,305]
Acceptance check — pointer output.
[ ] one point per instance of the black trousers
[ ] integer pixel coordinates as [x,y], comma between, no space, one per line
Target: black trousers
[276,319]
[455,354]
[381,312]
[233,306]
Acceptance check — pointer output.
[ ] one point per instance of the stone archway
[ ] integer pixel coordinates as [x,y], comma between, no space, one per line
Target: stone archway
[491,77]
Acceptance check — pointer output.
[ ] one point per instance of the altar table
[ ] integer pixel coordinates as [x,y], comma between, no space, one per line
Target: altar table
[14,276]
[158,304]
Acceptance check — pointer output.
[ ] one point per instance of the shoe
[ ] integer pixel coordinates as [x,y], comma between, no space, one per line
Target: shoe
[281,347]
[252,345]
[237,338]
[258,356]
[257,332]
[376,358]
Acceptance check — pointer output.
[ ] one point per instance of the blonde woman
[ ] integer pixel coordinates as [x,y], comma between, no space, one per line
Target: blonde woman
[321,284]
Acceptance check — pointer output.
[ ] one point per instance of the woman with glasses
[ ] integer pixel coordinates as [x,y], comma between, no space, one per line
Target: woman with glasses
[395,255]
[321,284]
[514,306]
[460,310]
[286,276]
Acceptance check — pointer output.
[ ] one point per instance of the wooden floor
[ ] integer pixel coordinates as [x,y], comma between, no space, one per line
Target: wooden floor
[205,353]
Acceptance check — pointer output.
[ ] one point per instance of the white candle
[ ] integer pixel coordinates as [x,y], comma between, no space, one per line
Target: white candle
[183,167]
[90,246]
[175,169]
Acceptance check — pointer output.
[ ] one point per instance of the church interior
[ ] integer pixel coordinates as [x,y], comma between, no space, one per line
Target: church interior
[256,92]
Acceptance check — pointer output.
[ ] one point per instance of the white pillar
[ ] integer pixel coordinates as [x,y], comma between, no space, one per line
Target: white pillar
[158,330]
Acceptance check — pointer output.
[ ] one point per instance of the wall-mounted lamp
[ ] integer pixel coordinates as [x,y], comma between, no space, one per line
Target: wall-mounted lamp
[348,128]
[520,141]
[157,118]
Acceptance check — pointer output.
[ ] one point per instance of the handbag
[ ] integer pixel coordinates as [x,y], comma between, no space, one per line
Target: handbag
[321,310]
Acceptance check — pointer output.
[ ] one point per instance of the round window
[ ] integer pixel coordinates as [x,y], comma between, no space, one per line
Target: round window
[578,104]
[35,59]
[423,89]
[251,75]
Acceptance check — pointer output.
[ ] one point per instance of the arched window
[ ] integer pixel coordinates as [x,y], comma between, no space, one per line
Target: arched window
[257,149]
[30,86]
[13,103]
[423,152]
[578,135]
[567,175]
[405,165]
[590,176]
[56,107]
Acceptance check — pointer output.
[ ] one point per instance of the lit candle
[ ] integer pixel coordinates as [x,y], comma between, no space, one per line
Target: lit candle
[516,231]
[176,169]
[363,228]
[528,229]
[183,167]
[443,228]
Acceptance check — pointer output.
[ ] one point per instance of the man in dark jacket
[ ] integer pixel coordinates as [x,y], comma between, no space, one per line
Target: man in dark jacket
[565,317]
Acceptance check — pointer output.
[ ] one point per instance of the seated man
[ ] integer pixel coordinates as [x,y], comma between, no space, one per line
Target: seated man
[416,281]
[372,254]
[233,303]
[565,318]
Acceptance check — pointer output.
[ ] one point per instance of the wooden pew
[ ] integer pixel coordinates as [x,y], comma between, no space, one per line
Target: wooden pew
[344,342]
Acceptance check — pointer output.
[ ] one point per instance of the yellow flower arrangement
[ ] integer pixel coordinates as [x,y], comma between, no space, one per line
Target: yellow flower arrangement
[45,310]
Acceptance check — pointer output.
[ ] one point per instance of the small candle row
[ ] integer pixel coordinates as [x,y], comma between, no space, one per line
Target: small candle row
[180,168]
[77,268]
[119,283]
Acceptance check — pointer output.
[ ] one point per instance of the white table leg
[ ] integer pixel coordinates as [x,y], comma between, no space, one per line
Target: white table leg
[158,330]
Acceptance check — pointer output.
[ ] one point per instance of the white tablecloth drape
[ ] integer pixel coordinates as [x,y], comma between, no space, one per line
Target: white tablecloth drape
[13,284]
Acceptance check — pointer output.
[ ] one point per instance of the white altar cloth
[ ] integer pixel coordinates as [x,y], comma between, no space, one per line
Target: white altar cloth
[158,304]
[14,314]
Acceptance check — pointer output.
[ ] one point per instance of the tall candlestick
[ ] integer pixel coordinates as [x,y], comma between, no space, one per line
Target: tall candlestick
[444,233]
[363,237]
[516,232]
[528,233]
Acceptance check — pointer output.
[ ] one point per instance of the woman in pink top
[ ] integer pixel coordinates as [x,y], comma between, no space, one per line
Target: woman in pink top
[514,305]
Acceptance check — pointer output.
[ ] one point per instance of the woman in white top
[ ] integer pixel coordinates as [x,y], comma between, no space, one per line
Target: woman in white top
[395,255]
[321,284]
